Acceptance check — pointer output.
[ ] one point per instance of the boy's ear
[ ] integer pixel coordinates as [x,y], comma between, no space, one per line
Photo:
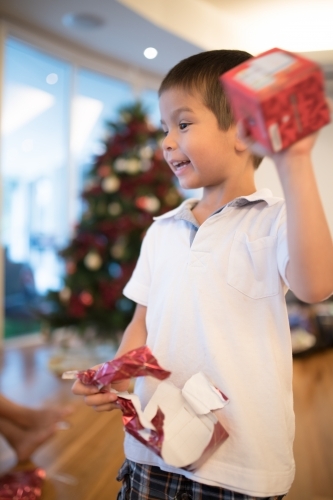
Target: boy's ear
[241,144]
[241,141]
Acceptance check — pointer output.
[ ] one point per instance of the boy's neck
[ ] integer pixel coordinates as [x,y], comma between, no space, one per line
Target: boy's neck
[215,197]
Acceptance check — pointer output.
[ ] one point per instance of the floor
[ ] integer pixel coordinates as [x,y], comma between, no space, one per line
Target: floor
[82,462]
[313,446]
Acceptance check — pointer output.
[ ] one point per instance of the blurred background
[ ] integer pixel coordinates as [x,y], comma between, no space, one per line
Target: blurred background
[68,66]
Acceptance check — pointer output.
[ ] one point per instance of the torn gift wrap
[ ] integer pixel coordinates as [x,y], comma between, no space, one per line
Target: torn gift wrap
[22,484]
[177,424]
[136,363]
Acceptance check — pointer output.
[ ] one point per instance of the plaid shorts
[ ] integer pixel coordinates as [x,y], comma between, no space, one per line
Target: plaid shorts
[145,482]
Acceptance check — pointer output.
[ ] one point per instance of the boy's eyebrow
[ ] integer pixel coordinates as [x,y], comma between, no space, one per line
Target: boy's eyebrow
[177,111]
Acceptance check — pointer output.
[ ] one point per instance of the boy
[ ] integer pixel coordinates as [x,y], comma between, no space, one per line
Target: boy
[209,287]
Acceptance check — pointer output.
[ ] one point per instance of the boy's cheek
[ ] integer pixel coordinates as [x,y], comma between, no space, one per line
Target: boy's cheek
[166,159]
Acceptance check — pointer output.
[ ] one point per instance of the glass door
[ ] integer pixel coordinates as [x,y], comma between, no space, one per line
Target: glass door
[34,163]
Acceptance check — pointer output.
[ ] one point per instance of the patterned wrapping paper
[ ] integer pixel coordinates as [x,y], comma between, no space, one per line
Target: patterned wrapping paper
[136,363]
[22,485]
[197,398]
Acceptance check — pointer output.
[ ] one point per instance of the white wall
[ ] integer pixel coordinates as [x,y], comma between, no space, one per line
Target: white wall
[266,175]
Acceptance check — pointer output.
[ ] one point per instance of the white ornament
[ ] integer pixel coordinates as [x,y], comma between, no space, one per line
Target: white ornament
[120,165]
[146,152]
[146,165]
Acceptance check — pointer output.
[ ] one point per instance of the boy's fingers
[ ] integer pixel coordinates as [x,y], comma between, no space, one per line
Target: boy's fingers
[100,399]
[80,389]
[106,407]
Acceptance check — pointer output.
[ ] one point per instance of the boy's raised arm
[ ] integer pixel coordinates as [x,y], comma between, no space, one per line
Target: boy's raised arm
[310,268]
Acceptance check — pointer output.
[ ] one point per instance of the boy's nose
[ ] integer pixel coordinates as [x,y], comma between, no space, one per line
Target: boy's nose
[169,143]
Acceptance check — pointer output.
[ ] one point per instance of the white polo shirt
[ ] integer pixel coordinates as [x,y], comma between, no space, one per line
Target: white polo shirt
[215,303]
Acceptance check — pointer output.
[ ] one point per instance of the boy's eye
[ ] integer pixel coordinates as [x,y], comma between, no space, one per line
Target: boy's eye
[165,132]
[183,126]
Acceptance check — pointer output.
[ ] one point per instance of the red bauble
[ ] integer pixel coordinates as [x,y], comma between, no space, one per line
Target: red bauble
[75,307]
[70,267]
[86,298]
[104,170]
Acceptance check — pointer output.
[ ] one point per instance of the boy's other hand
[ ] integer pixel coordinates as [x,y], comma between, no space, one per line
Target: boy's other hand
[100,400]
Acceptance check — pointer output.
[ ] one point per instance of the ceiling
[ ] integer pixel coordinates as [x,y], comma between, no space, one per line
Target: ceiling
[180,28]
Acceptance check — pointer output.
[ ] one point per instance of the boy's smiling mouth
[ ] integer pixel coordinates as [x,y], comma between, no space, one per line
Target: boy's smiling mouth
[180,165]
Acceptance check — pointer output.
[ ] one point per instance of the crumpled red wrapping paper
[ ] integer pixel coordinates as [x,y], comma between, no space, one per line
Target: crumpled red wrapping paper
[22,485]
[136,363]
[133,425]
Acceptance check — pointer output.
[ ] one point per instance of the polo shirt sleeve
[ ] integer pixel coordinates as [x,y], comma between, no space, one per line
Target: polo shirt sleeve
[282,246]
[137,288]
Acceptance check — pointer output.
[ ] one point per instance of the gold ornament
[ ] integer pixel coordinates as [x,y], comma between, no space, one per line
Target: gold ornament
[118,249]
[115,208]
[133,166]
[93,260]
[171,198]
[111,184]
[65,294]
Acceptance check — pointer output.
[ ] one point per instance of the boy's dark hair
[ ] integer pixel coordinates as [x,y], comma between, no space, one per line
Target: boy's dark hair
[201,73]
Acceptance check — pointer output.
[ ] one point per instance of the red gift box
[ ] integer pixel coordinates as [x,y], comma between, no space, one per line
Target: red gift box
[279,96]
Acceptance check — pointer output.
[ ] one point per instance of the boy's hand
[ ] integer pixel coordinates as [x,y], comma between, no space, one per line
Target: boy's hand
[303,147]
[100,400]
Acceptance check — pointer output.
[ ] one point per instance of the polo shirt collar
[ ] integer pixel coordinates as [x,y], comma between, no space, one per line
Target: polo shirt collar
[261,195]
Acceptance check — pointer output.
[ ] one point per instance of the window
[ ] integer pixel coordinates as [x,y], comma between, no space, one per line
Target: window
[96,102]
[51,130]
[150,99]
[34,178]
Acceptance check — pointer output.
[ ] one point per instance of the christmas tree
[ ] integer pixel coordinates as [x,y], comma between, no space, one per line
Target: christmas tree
[126,187]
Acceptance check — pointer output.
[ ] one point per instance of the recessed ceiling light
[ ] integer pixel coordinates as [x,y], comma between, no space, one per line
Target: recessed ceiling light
[82,21]
[150,53]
